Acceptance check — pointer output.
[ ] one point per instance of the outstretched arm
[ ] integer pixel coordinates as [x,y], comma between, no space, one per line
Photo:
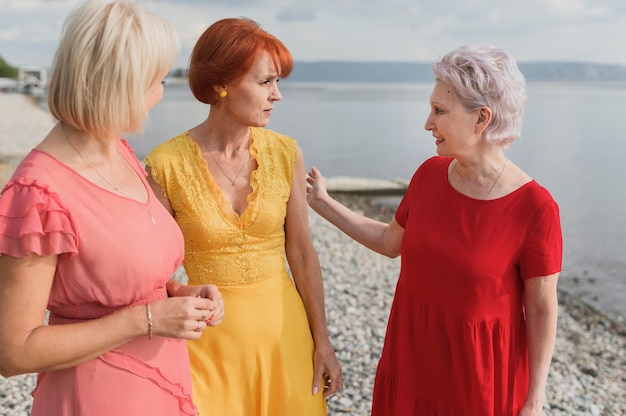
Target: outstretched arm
[375,235]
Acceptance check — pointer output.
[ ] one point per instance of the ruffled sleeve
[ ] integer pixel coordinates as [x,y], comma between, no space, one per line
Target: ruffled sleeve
[34,220]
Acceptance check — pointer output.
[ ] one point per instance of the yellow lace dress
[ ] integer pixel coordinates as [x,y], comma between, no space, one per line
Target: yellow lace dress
[259,360]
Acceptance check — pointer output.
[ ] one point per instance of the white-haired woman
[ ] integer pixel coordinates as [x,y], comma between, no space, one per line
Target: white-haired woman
[473,322]
[82,235]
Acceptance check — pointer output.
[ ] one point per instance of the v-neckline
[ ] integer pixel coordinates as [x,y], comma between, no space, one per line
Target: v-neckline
[224,203]
[123,154]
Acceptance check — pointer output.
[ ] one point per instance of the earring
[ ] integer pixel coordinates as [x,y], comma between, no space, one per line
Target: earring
[223,93]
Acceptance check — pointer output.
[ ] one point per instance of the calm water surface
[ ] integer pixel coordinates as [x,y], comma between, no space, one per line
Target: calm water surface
[573,142]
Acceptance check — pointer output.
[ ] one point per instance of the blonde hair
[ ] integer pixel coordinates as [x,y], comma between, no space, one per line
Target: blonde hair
[110,53]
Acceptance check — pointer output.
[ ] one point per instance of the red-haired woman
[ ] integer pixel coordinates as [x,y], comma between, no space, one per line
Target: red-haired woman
[238,192]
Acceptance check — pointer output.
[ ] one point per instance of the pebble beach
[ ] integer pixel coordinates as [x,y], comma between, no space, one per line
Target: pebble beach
[587,375]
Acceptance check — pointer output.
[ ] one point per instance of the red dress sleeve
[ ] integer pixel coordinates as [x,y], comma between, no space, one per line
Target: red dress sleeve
[431,166]
[34,220]
[542,251]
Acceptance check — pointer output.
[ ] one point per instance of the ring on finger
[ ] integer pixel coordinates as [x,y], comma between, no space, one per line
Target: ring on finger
[198,328]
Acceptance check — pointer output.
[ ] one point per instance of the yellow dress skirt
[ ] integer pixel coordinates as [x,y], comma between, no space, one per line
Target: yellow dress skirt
[259,360]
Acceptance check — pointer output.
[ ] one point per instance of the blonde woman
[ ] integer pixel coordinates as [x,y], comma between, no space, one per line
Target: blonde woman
[82,235]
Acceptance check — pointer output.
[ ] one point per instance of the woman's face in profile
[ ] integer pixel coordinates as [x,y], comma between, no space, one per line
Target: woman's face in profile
[252,99]
[451,124]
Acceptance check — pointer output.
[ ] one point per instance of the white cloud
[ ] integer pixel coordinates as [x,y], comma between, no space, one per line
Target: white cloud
[364,30]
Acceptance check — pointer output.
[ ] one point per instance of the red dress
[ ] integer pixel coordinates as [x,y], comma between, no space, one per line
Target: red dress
[456,339]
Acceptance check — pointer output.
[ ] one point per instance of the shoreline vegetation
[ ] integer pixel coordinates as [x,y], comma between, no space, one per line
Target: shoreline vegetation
[587,372]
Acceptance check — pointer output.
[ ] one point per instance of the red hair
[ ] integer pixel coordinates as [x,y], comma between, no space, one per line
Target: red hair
[227,50]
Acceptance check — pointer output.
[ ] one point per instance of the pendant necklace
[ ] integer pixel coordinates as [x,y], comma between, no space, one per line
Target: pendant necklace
[118,190]
[232,180]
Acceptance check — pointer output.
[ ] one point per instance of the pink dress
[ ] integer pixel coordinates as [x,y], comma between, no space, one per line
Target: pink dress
[111,256]
[456,337]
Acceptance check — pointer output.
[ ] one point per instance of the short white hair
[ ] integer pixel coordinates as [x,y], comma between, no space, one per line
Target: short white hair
[483,75]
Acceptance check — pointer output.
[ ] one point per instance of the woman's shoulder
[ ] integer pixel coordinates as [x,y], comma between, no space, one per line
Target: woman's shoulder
[282,147]
[267,136]
[44,167]
[173,148]
[437,161]
[429,173]
[433,164]
[536,193]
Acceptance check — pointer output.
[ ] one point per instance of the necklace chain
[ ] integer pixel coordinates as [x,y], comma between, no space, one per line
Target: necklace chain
[117,189]
[494,182]
[232,180]
[497,179]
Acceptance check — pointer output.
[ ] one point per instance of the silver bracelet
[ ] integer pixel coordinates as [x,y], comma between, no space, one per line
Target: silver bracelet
[149,316]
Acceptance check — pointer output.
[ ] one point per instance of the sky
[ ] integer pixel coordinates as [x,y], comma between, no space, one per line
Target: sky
[362,30]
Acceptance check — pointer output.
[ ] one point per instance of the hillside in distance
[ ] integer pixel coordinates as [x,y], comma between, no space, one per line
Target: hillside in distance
[337,71]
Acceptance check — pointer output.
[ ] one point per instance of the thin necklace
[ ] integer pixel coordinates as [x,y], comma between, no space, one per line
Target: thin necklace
[118,190]
[494,183]
[497,179]
[232,180]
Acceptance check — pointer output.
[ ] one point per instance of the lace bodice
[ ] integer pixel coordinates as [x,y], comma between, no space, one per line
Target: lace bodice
[222,247]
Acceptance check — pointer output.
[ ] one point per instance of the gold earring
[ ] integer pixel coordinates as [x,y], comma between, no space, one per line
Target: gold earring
[223,93]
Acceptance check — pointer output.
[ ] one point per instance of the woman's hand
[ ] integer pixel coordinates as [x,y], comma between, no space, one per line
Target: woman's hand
[186,317]
[212,293]
[316,187]
[215,314]
[530,410]
[328,370]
